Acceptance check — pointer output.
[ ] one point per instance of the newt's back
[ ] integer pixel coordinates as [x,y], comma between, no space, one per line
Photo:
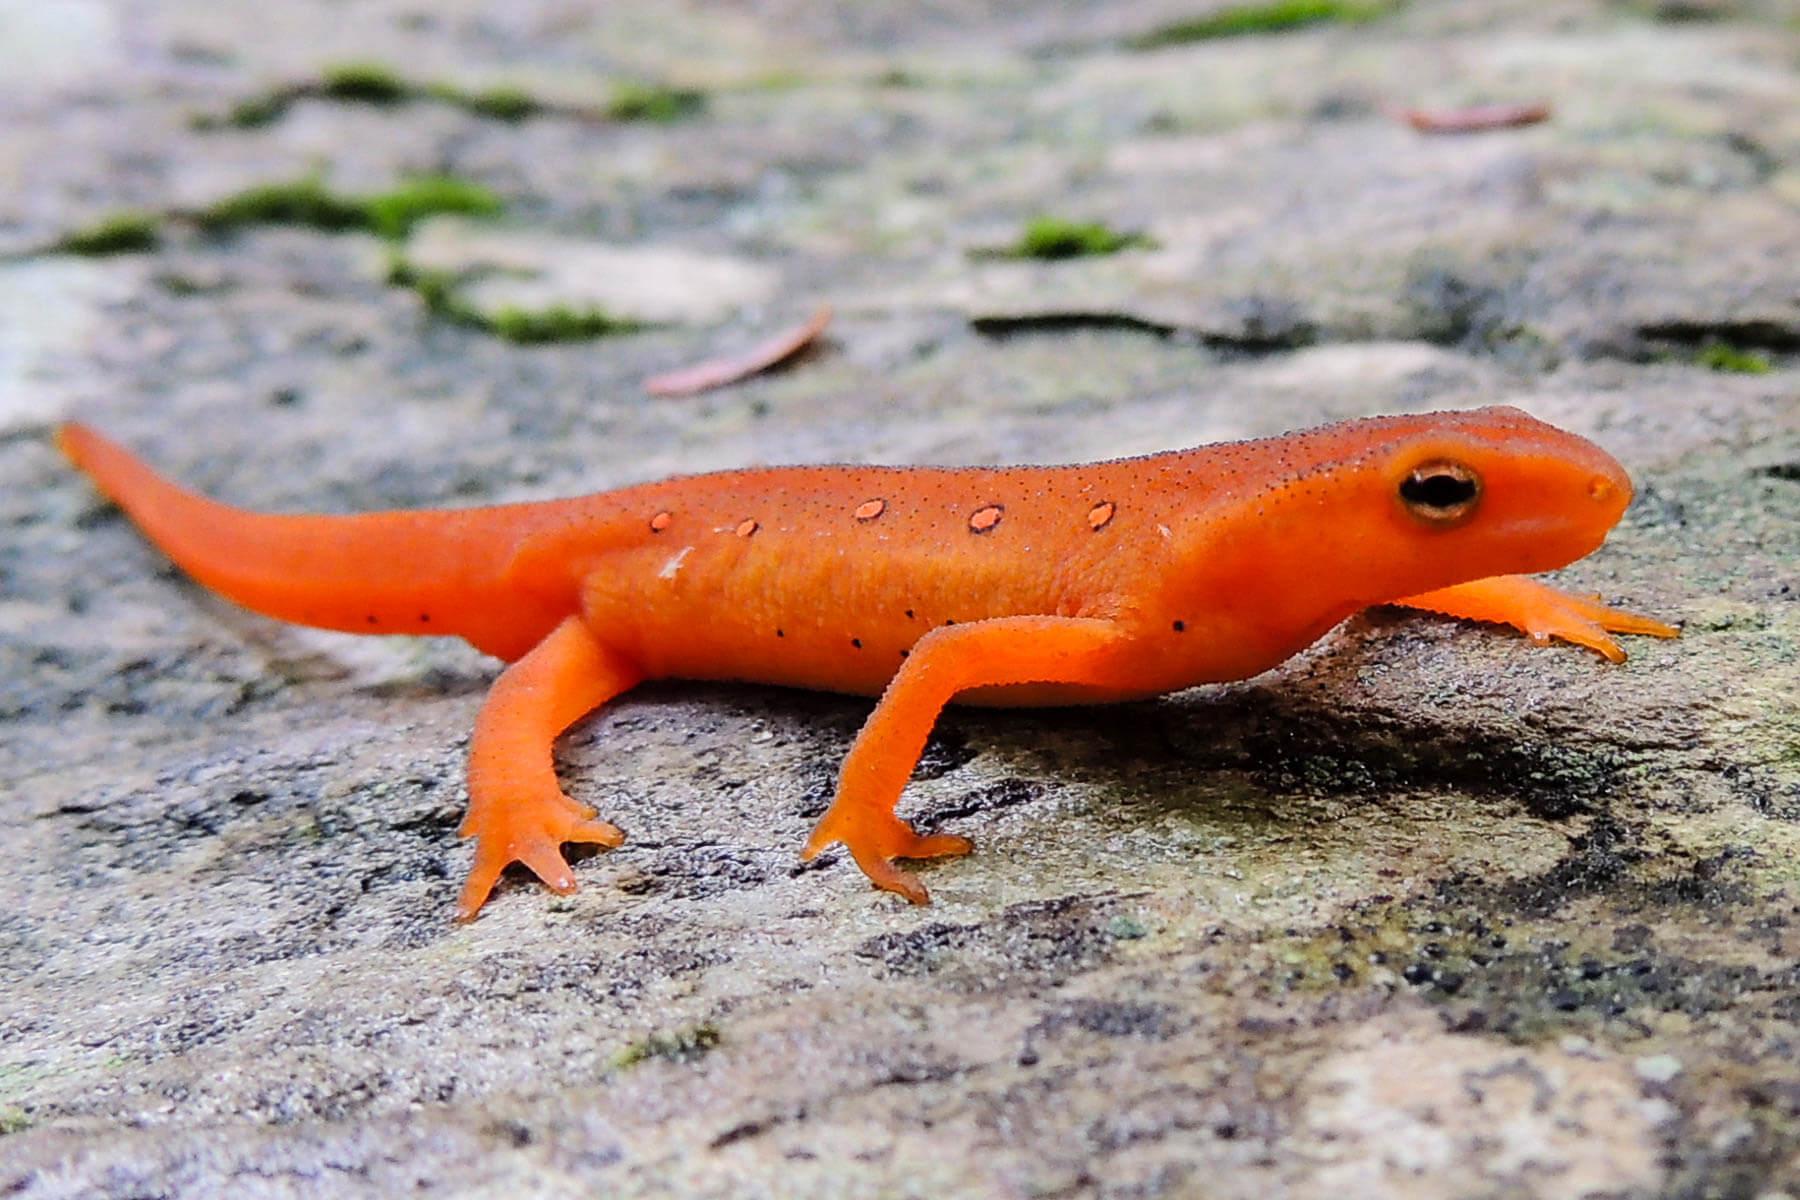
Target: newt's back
[825,576]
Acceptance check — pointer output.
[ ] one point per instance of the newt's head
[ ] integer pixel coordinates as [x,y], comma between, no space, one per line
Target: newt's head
[1494,492]
[1393,506]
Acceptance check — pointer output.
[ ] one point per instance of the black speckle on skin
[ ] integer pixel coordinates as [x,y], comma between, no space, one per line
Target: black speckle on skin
[371,618]
[780,633]
[857,642]
[1180,626]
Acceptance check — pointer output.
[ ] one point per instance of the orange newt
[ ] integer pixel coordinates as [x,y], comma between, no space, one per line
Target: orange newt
[1010,586]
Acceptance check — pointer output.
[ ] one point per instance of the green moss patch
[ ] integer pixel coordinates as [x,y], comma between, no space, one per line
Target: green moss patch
[120,233]
[438,291]
[301,202]
[653,102]
[1722,356]
[434,287]
[253,113]
[1520,979]
[364,83]
[1242,20]
[683,1045]
[558,323]
[502,103]
[1057,238]
[441,293]
[381,85]
[391,214]
[1127,928]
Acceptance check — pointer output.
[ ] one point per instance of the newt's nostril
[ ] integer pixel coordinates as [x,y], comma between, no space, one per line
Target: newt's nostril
[1602,489]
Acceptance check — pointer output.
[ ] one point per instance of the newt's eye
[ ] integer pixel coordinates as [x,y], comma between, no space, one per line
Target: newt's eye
[1441,492]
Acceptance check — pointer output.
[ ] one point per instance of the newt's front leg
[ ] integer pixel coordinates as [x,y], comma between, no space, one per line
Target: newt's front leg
[517,810]
[999,652]
[1540,611]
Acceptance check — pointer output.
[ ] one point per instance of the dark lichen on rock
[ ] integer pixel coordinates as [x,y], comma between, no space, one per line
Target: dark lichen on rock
[1501,958]
[1045,940]
[1290,748]
[679,1046]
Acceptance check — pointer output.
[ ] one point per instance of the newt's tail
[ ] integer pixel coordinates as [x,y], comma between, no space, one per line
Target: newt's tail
[425,572]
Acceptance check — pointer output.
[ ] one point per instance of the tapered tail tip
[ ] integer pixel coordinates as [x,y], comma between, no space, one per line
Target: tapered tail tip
[70,437]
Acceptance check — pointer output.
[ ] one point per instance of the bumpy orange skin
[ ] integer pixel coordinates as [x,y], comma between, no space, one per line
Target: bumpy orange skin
[1021,585]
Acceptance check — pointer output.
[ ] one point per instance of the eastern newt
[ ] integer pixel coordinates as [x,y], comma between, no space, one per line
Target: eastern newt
[1078,584]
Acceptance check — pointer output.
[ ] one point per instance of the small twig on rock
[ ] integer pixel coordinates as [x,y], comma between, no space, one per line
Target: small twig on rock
[717,372]
[1473,119]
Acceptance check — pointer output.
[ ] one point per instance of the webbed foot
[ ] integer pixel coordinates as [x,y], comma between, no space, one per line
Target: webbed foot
[875,842]
[1541,612]
[530,832]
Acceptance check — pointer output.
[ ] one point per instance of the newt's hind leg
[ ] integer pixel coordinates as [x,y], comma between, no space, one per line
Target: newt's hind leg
[1540,611]
[517,810]
[951,659]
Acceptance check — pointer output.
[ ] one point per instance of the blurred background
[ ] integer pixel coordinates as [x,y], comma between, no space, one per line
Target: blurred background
[1427,913]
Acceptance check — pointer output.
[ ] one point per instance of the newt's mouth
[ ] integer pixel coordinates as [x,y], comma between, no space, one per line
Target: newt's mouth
[1611,489]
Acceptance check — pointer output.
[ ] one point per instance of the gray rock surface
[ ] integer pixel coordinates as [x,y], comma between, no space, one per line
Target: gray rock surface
[1427,912]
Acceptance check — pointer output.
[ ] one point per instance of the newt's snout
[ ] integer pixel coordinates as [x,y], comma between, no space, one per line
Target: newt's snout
[1612,490]
[1609,487]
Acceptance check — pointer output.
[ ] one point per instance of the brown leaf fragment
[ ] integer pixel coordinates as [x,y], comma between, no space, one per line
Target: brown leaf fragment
[1472,119]
[729,368]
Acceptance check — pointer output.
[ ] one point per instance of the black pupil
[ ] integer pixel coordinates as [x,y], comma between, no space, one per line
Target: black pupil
[1438,490]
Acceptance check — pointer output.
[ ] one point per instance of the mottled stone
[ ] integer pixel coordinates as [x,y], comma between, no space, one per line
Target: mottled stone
[647,285]
[1427,911]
